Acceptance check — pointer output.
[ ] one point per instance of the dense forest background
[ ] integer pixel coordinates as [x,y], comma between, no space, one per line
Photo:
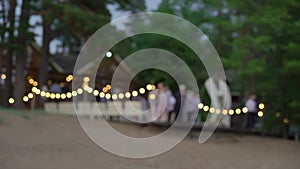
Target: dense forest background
[258,42]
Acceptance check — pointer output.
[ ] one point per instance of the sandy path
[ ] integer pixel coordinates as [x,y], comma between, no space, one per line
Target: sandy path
[57,142]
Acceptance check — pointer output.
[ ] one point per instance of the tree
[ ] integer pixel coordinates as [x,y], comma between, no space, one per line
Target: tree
[73,22]
[10,51]
[257,40]
[23,40]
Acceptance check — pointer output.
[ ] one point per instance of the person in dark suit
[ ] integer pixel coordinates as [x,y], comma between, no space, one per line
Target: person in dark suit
[178,95]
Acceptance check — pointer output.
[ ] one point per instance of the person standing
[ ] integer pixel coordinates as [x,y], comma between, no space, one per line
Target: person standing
[163,96]
[252,111]
[159,103]
[170,104]
[156,108]
[178,95]
[55,88]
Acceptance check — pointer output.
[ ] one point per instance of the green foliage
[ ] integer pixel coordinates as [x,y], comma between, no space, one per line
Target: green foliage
[172,45]
[257,40]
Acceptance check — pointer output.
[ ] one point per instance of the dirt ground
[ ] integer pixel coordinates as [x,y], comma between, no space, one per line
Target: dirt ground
[58,142]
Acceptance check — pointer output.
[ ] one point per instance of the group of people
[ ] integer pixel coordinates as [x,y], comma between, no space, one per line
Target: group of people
[58,88]
[166,106]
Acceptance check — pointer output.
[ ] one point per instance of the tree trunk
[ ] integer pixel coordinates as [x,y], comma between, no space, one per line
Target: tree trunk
[8,84]
[19,89]
[44,62]
[21,55]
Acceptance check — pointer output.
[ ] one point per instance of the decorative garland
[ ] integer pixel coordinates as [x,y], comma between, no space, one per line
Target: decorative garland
[104,94]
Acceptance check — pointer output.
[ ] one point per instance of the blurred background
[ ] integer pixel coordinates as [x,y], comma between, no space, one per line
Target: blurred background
[257,41]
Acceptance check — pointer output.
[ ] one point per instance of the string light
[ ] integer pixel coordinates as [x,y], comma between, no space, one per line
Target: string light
[38,91]
[245,109]
[127,95]
[25,99]
[86,79]
[48,94]
[35,83]
[114,96]
[104,89]
[30,95]
[11,100]
[102,94]
[238,111]
[153,87]
[57,95]
[108,54]
[96,93]
[49,82]
[200,105]
[278,114]
[74,93]
[286,121]
[52,96]
[61,84]
[33,89]
[90,90]
[231,112]
[63,96]
[205,108]
[86,87]
[3,76]
[30,81]
[134,93]
[79,91]
[260,114]
[149,87]
[108,96]
[108,86]
[121,96]
[261,106]
[43,93]
[152,96]
[142,90]
[218,111]
[69,95]
[69,78]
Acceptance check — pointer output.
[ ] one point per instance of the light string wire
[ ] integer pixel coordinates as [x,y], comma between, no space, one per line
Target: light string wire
[104,94]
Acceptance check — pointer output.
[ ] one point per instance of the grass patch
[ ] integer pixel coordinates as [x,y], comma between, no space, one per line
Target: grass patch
[1,121]
[24,113]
